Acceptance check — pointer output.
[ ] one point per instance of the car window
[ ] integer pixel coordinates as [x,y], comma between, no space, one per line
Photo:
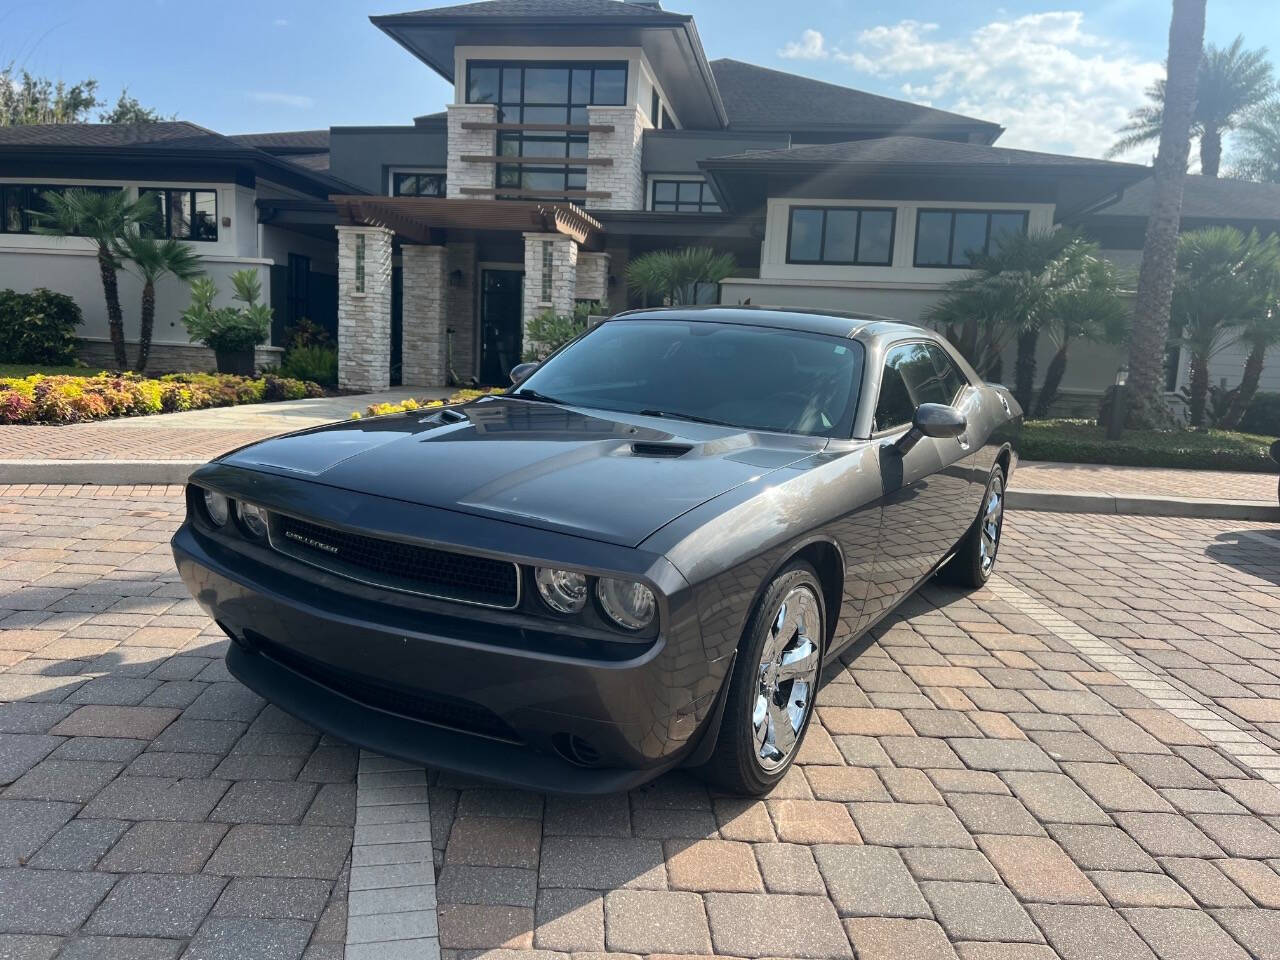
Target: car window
[923,380]
[895,408]
[747,376]
[948,373]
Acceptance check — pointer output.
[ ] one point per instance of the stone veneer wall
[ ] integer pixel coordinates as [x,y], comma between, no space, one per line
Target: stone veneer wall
[462,143]
[623,178]
[167,357]
[593,277]
[564,277]
[462,306]
[364,317]
[423,314]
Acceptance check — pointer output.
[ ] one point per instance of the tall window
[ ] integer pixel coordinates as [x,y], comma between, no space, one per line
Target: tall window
[406,184]
[360,265]
[684,196]
[544,94]
[21,204]
[861,236]
[185,214]
[950,238]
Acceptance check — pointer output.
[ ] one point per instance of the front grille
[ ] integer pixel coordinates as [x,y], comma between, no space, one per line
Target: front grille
[430,708]
[399,566]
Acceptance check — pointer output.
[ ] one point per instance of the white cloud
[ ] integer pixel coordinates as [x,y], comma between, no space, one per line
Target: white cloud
[282,99]
[1053,84]
[280,22]
[810,46]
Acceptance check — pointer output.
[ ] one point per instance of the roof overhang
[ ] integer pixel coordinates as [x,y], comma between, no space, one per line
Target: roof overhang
[670,42]
[744,184]
[423,219]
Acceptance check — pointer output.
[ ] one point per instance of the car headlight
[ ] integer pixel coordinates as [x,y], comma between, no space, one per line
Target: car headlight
[254,519]
[564,591]
[217,506]
[629,604]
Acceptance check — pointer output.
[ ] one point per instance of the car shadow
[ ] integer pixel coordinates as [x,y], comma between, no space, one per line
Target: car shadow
[1255,552]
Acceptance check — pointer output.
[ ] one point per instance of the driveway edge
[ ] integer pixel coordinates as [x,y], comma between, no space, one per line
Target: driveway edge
[98,472]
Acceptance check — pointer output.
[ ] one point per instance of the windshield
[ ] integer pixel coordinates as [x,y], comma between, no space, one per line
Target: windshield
[756,378]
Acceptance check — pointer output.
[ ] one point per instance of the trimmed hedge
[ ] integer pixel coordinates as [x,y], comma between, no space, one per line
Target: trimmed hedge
[1263,415]
[38,327]
[1083,441]
[65,399]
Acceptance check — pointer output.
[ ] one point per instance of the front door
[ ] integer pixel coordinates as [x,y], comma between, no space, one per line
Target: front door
[501,334]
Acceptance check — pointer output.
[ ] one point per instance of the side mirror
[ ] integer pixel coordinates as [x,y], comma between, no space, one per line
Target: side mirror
[521,370]
[936,420]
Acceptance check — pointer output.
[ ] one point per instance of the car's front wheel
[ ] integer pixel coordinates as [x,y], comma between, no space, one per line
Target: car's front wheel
[775,679]
[975,560]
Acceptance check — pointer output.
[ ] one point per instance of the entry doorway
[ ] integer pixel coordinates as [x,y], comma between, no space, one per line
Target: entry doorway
[501,330]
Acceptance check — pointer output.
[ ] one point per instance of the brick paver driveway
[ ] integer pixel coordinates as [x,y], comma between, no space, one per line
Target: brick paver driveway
[1000,775]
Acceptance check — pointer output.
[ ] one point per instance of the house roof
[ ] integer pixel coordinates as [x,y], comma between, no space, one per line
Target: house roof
[909,151]
[760,98]
[539,8]
[1203,198]
[168,140]
[305,140]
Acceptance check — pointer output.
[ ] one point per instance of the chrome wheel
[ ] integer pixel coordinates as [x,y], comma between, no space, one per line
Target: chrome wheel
[990,522]
[787,677]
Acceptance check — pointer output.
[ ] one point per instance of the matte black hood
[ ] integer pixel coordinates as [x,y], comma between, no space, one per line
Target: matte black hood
[610,477]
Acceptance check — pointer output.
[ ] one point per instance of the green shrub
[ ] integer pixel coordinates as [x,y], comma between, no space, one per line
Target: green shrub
[1083,441]
[1263,415]
[549,331]
[228,328]
[316,362]
[68,399]
[38,327]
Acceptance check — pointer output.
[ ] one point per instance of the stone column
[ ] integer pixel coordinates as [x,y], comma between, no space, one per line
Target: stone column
[593,277]
[623,178]
[364,308]
[481,143]
[550,276]
[423,312]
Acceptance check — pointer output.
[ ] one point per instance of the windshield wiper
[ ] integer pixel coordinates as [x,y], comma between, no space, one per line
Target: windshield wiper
[671,415]
[535,395]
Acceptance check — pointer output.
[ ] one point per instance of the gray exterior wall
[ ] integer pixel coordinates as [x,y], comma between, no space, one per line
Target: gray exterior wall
[678,151]
[363,155]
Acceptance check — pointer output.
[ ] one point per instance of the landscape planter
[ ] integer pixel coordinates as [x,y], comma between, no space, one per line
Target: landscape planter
[238,362]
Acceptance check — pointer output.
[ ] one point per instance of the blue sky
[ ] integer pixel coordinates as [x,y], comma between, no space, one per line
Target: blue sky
[1059,77]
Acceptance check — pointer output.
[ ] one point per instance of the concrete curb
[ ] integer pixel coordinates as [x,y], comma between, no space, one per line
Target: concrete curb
[123,472]
[1142,506]
[99,472]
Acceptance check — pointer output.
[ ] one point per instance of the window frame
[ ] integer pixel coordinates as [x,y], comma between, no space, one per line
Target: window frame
[951,233]
[166,212]
[966,383]
[822,239]
[569,65]
[394,172]
[27,205]
[706,195]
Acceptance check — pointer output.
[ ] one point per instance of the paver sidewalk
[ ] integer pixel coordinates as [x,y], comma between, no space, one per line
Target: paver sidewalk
[192,435]
[1144,481]
[975,786]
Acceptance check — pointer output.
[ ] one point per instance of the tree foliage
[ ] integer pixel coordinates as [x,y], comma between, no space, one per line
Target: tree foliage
[153,258]
[27,99]
[1257,155]
[229,328]
[671,277]
[1231,82]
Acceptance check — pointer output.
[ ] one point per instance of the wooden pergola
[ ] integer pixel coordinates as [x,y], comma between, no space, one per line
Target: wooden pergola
[425,219]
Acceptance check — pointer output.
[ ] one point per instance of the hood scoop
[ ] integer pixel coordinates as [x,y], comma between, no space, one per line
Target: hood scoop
[663,451]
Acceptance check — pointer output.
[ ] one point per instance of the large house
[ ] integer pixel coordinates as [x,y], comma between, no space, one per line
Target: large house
[581,134]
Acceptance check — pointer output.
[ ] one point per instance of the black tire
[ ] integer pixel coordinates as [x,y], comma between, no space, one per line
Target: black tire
[975,560]
[738,764]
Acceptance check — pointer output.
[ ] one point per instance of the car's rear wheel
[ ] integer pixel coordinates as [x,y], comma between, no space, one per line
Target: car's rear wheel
[975,561]
[771,692]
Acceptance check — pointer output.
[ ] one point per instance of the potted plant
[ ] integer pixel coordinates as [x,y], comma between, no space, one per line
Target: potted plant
[230,332]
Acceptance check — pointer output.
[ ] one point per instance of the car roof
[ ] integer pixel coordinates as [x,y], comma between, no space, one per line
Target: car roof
[865,327]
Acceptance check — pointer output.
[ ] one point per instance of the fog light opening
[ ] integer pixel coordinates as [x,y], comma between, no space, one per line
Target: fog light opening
[576,750]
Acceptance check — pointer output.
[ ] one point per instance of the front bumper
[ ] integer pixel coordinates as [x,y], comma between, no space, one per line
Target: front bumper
[428,689]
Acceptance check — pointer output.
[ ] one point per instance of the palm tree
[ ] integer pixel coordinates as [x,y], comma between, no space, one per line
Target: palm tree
[1086,306]
[1224,281]
[1145,393]
[152,260]
[1258,144]
[101,217]
[1231,82]
[1004,300]
[1259,335]
[672,276]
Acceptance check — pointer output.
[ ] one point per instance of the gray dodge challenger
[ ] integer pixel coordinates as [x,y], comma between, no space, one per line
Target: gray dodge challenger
[639,557]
